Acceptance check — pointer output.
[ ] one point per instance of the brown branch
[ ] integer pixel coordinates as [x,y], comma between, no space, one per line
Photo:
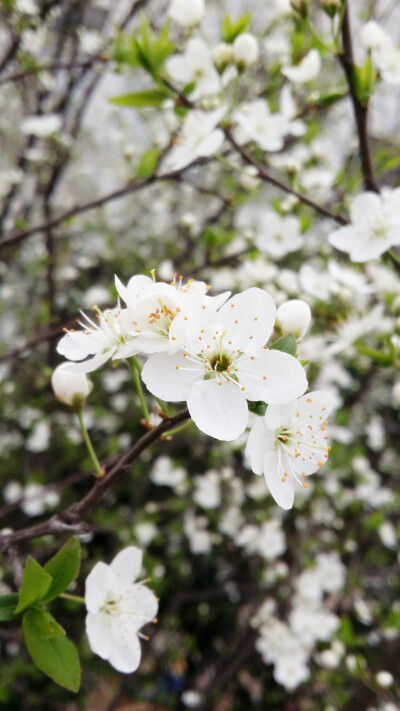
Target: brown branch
[53,67]
[265,175]
[346,59]
[72,519]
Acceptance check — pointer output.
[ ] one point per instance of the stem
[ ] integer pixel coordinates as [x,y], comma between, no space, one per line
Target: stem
[92,453]
[74,598]
[176,430]
[136,370]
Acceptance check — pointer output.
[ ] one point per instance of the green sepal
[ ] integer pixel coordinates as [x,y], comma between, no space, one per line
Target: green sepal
[54,655]
[287,344]
[63,568]
[258,408]
[35,584]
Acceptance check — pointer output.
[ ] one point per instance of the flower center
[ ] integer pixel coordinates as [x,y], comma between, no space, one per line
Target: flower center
[220,362]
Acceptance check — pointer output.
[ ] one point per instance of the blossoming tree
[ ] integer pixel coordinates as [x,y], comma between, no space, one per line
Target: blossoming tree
[199,235]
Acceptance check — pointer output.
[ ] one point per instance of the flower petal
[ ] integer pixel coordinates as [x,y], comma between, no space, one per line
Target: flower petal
[257,445]
[141,606]
[171,377]
[126,566]
[97,583]
[249,318]
[272,376]
[218,410]
[98,630]
[125,652]
[282,491]
[88,366]
[78,345]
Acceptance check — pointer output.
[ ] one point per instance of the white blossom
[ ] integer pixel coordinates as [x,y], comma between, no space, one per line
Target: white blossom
[290,442]
[195,65]
[117,609]
[223,362]
[258,124]
[306,70]
[186,12]
[374,228]
[294,316]
[42,126]
[199,138]
[245,50]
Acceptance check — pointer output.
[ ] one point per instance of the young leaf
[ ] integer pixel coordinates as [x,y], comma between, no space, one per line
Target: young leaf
[7,607]
[55,656]
[287,344]
[139,99]
[258,408]
[147,164]
[35,584]
[230,30]
[63,568]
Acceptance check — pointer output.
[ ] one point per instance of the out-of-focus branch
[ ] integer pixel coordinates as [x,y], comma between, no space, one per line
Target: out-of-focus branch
[72,519]
[265,175]
[53,67]
[346,59]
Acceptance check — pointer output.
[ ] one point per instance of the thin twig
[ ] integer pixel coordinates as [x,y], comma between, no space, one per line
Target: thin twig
[265,175]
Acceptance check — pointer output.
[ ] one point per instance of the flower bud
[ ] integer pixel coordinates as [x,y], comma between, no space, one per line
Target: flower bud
[69,387]
[294,317]
[300,7]
[249,179]
[222,55]
[331,7]
[186,12]
[245,50]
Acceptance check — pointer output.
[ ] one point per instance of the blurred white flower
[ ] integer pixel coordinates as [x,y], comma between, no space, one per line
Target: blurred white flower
[199,138]
[117,609]
[42,126]
[245,50]
[256,123]
[306,70]
[374,228]
[195,65]
[207,491]
[186,12]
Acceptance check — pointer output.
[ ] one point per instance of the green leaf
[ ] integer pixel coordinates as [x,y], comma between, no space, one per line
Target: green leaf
[147,164]
[230,30]
[35,584]
[287,344]
[43,623]
[139,99]
[7,607]
[63,568]
[55,656]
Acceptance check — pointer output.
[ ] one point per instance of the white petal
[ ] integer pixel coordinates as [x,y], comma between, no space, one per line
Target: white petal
[257,445]
[78,345]
[366,208]
[279,415]
[218,410]
[318,403]
[285,377]
[342,238]
[126,350]
[99,634]
[141,605]
[98,583]
[88,366]
[249,318]
[211,143]
[282,492]
[170,377]
[125,653]
[126,566]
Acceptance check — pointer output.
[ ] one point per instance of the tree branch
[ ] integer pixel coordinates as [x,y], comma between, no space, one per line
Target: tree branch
[346,59]
[72,519]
